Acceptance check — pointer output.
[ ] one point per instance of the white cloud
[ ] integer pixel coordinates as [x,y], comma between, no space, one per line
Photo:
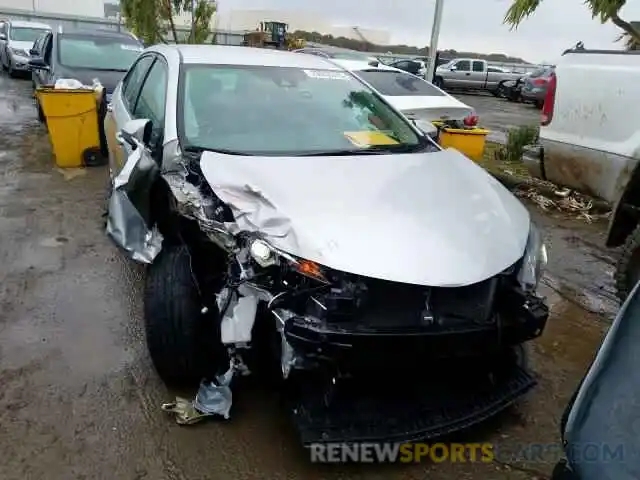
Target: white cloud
[470,25]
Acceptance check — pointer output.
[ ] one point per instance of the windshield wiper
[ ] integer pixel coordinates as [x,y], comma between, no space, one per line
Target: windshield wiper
[198,150]
[372,150]
[344,153]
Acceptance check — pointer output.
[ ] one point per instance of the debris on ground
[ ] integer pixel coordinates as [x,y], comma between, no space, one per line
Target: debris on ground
[564,200]
[71,173]
[546,195]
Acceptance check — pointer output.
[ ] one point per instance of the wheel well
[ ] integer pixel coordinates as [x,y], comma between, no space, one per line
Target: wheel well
[179,230]
[626,214]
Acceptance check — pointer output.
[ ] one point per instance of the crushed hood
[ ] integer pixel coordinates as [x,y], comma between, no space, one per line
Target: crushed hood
[433,219]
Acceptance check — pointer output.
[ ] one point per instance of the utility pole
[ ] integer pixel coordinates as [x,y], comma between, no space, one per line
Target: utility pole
[435,34]
[192,33]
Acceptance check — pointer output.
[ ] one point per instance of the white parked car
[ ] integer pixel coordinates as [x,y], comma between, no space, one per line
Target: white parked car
[412,95]
[16,41]
[290,215]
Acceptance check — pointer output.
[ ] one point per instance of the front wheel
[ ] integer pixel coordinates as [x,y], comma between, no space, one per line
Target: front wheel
[183,342]
[628,266]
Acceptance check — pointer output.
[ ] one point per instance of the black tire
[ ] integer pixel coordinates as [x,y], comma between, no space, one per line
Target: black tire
[41,118]
[628,266]
[184,344]
[438,82]
[521,356]
[499,91]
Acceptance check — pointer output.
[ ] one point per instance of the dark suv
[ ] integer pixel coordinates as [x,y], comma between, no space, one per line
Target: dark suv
[105,55]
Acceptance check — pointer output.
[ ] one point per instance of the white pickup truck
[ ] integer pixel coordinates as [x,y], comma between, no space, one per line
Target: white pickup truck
[472,74]
[590,141]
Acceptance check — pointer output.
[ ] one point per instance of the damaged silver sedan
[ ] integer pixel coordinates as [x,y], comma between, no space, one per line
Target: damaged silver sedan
[296,225]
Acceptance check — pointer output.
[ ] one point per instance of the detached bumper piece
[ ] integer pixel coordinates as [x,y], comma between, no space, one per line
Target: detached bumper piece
[398,409]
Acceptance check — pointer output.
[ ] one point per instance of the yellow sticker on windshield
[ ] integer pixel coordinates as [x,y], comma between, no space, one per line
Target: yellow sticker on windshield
[368,138]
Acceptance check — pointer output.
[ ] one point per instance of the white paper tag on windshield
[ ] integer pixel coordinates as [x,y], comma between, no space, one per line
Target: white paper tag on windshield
[327,74]
[132,48]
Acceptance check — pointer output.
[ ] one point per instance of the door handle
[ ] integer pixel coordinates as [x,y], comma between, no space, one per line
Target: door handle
[467,74]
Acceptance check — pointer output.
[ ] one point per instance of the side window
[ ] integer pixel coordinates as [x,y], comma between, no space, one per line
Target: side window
[133,81]
[151,102]
[463,66]
[47,48]
[478,66]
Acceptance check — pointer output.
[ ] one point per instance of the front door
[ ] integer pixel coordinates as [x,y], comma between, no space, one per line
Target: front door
[118,114]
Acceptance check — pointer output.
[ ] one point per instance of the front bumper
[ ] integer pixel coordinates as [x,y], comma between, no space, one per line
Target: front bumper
[534,95]
[521,317]
[19,63]
[403,408]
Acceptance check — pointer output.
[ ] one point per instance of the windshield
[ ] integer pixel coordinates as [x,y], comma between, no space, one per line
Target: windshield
[541,72]
[280,111]
[97,52]
[399,84]
[26,34]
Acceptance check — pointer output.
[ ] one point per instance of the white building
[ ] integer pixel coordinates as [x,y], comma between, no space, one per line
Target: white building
[241,20]
[229,20]
[84,8]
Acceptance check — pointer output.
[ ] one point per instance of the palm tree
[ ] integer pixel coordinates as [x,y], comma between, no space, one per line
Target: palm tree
[630,43]
[604,10]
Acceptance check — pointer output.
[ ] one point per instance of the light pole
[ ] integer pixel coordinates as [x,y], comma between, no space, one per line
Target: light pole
[433,45]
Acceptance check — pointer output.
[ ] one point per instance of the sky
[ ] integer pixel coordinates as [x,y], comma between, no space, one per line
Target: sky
[469,25]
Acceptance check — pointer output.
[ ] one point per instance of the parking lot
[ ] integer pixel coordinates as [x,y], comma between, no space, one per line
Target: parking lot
[499,115]
[80,400]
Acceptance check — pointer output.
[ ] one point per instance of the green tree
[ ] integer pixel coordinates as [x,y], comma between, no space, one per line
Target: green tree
[604,10]
[154,20]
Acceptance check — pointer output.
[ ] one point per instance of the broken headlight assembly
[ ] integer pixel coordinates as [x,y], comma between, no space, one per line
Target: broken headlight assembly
[534,260]
[266,255]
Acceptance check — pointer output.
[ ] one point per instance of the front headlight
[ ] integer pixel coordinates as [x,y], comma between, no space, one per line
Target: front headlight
[20,52]
[267,255]
[534,260]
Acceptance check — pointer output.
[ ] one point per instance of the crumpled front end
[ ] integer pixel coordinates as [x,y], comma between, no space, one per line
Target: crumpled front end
[351,314]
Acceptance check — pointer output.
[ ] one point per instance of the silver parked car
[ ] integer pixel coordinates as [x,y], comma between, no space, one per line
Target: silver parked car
[291,218]
[535,86]
[16,41]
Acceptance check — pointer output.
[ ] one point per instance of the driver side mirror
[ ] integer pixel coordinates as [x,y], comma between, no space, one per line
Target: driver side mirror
[135,133]
[38,63]
[3,36]
[453,68]
[33,52]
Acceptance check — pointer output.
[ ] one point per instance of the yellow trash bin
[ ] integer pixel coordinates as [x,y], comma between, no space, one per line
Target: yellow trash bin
[471,142]
[72,121]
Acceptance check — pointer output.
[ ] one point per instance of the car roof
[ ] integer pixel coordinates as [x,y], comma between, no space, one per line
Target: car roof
[232,55]
[99,32]
[22,23]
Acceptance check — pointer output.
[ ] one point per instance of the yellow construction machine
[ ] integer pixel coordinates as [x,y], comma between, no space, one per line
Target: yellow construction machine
[272,35]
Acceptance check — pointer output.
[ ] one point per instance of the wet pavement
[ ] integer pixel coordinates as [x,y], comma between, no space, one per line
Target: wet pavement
[80,400]
[498,114]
